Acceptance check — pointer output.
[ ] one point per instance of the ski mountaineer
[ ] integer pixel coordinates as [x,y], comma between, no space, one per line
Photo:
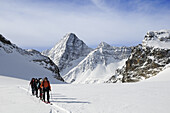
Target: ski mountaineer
[45,85]
[33,85]
[39,87]
[36,87]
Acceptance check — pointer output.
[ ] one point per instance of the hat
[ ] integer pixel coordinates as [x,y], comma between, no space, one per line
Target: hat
[46,78]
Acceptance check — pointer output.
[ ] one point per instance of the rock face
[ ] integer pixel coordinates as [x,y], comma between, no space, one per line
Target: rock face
[68,52]
[5,41]
[46,62]
[146,59]
[6,47]
[98,65]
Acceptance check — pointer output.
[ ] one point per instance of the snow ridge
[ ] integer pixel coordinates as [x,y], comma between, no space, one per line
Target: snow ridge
[11,56]
[99,64]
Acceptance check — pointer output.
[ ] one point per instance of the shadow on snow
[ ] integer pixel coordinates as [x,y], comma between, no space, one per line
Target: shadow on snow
[59,98]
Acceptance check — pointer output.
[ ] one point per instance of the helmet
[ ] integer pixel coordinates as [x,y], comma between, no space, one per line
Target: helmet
[41,80]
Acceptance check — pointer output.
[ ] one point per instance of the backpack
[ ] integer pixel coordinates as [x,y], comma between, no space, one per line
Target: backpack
[47,88]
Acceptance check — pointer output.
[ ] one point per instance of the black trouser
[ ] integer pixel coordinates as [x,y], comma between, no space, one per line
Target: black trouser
[40,93]
[36,91]
[33,90]
[48,95]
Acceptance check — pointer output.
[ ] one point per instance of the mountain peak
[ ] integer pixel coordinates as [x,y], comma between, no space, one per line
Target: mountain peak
[161,35]
[70,36]
[70,39]
[103,45]
[68,52]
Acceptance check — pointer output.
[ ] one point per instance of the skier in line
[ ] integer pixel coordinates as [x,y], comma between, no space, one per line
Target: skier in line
[33,85]
[39,87]
[45,85]
[36,87]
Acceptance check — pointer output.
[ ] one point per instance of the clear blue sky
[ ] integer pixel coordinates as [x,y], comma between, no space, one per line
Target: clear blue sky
[39,24]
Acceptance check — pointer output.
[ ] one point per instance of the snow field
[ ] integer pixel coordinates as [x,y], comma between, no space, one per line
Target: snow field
[15,100]
[151,96]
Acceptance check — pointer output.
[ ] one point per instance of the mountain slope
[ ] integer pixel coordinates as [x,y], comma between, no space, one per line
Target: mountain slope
[147,59]
[68,52]
[99,64]
[19,63]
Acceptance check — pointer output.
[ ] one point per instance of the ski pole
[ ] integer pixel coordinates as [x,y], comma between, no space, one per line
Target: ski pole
[51,96]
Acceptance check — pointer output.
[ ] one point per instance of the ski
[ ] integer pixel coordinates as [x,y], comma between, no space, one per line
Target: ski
[48,103]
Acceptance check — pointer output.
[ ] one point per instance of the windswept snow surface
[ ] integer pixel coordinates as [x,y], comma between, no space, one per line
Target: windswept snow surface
[144,97]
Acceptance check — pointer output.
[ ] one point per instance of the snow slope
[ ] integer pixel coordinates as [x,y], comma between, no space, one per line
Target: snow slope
[18,63]
[68,52]
[163,76]
[99,65]
[15,100]
[144,97]
[15,65]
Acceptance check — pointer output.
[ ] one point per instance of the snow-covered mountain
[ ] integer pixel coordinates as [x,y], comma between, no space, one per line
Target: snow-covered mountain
[147,59]
[157,39]
[68,52]
[25,64]
[99,65]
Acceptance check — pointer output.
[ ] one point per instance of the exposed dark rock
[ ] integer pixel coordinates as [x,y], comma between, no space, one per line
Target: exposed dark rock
[144,63]
[147,59]
[5,41]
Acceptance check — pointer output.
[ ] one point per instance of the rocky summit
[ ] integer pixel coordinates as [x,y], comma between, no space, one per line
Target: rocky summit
[147,59]
[68,52]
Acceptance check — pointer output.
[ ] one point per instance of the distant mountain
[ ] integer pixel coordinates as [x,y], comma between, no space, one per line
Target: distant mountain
[25,64]
[99,65]
[146,59]
[68,52]
[157,39]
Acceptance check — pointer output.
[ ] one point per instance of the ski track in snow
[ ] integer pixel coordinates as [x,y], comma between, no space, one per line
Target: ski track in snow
[53,106]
